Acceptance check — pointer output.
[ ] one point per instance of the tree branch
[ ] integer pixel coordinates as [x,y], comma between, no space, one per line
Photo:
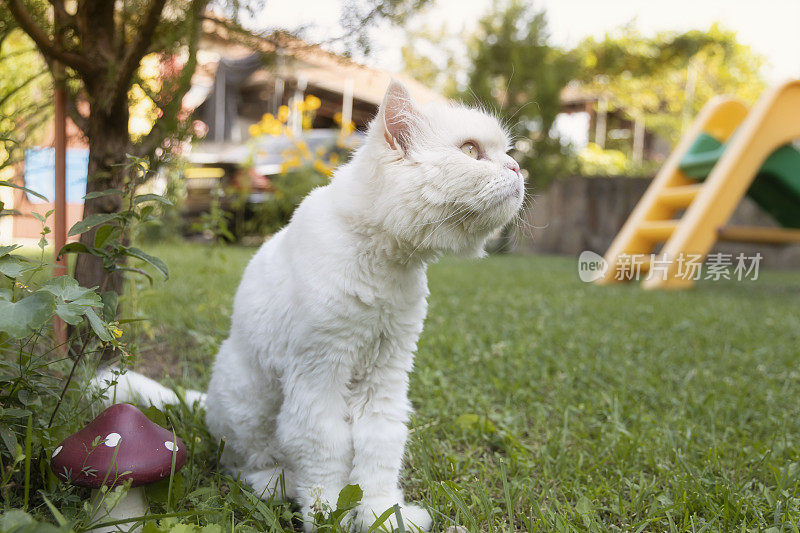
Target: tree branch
[75,116]
[64,18]
[138,48]
[43,41]
[171,106]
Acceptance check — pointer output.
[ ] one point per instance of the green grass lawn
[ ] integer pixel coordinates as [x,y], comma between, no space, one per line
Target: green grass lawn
[543,403]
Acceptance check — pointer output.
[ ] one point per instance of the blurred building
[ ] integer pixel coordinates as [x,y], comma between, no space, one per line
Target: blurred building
[585,117]
[37,172]
[239,80]
[239,77]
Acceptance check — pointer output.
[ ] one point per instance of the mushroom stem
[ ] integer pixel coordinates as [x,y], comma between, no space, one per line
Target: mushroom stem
[132,505]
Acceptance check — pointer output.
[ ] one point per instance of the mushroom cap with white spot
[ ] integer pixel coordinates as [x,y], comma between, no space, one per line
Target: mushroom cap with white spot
[124,444]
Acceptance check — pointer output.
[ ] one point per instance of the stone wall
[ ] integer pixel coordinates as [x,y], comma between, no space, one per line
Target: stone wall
[580,213]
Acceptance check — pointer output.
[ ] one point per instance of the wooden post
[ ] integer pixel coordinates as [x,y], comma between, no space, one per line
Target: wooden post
[347,102]
[600,127]
[638,138]
[60,215]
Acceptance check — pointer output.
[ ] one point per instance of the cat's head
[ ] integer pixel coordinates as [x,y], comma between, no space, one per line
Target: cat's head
[443,180]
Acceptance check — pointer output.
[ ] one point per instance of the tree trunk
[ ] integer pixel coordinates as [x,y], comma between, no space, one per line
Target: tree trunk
[108,143]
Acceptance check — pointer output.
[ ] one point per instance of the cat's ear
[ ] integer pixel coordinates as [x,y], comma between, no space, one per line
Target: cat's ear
[398,115]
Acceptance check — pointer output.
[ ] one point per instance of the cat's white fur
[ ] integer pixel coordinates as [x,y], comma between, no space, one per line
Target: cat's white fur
[312,381]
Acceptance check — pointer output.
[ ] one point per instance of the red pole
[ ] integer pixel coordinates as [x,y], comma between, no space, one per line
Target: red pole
[60,215]
[60,221]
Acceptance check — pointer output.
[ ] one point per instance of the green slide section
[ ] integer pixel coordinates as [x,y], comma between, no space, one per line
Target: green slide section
[776,189]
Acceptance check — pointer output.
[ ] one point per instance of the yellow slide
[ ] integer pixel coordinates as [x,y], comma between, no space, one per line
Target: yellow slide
[706,206]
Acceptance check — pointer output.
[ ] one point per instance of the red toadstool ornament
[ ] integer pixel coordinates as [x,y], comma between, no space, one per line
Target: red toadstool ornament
[121,444]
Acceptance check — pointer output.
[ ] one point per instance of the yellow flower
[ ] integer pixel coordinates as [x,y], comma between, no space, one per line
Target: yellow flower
[337,117]
[283,113]
[254,130]
[267,117]
[116,332]
[274,128]
[334,158]
[303,147]
[312,102]
[306,122]
[322,168]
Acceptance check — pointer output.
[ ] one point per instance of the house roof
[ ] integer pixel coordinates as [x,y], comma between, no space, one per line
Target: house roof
[311,63]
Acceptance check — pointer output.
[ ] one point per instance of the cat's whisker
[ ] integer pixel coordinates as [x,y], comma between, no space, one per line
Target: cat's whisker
[428,236]
[505,94]
[431,222]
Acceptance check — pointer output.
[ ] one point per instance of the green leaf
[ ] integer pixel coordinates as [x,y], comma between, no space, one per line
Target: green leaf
[4,183]
[156,416]
[68,289]
[101,194]
[38,217]
[151,197]
[584,505]
[28,398]
[146,211]
[70,313]
[381,519]
[15,519]
[13,266]
[78,248]
[100,328]
[151,526]
[72,300]
[157,263]
[110,304]
[5,250]
[10,441]
[14,412]
[18,319]
[158,491]
[349,497]
[104,234]
[91,221]
[131,320]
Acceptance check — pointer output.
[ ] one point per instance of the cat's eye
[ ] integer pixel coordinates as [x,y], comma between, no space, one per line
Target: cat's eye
[471,150]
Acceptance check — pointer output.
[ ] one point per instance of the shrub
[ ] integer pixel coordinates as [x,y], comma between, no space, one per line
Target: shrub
[43,392]
[276,210]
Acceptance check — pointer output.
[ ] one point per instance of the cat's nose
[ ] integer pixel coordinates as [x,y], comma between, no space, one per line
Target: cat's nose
[511,164]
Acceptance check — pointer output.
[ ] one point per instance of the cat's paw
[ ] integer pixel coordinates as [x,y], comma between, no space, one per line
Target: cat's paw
[415,518]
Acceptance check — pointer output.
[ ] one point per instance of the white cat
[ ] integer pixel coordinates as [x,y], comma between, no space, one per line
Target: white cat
[312,381]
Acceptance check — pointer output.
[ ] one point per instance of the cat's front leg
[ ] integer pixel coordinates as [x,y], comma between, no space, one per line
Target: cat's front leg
[314,432]
[379,437]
